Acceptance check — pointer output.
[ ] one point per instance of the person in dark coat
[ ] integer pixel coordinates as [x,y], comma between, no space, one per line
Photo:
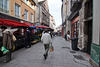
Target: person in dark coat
[65,36]
[27,38]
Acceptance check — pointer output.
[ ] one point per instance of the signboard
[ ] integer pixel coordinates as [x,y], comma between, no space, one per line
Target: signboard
[75,20]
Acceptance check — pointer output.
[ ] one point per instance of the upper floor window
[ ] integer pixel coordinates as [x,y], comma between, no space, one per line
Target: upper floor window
[4,6]
[17,10]
[31,17]
[26,15]
[31,5]
[26,1]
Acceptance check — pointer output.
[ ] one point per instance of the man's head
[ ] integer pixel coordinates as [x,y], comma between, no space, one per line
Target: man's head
[3,27]
[46,31]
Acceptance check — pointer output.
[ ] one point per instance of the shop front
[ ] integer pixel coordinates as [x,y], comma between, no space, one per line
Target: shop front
[74,27]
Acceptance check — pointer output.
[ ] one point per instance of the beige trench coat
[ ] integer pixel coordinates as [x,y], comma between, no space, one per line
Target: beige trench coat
[7,39]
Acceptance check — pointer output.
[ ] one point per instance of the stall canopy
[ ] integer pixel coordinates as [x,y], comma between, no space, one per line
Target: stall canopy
[16,24]
[12,23]
[43,27]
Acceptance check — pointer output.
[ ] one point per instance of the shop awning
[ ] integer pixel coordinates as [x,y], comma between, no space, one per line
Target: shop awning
[32,27]
[43,27]
[12,23]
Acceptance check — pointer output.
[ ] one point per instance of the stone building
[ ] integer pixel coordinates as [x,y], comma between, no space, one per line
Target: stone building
[44,13]
[85,26]
[52,23]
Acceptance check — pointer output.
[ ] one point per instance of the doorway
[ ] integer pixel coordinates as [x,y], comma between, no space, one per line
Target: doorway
[88,32]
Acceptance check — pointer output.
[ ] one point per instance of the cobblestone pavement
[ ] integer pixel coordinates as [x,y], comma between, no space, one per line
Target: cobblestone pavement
[61,57]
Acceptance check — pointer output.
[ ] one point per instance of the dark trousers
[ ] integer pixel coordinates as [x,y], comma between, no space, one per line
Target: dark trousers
[8,56]
[46,46]
[27,42]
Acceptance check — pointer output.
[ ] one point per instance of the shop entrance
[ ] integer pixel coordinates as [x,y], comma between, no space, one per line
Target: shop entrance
[88,32]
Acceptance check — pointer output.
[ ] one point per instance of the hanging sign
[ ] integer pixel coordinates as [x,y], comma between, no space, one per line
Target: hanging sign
[75,20]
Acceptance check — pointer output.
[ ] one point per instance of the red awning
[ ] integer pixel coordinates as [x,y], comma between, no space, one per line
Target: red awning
[42,27]
[12,23]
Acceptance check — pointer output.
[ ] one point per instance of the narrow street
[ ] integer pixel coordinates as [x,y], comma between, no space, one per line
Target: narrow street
[61,57]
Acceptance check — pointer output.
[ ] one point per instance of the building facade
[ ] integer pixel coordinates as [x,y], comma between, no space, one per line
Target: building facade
[75,6]
[95,46]
[52,23]
[18,10]
[85,26]
[63,15]
[44,13]
[68,24]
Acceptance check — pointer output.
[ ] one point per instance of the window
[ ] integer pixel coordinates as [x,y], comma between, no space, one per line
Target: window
[26,1]
[31,5]
[17,10]
[4,6]
[31,17]
[26,15]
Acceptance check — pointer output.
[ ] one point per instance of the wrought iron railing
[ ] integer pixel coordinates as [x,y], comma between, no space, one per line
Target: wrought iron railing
[4,10]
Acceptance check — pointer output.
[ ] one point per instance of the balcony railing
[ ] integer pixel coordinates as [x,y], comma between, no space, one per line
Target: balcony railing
[75,4]
[4,10]
[35,1]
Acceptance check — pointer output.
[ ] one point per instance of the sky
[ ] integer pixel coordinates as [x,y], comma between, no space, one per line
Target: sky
[55,10]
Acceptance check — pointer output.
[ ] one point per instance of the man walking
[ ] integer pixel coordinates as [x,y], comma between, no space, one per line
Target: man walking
[46,38]
[7,42]
[27,38]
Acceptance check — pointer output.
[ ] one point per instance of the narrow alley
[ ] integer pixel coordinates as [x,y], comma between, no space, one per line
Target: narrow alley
[62,56]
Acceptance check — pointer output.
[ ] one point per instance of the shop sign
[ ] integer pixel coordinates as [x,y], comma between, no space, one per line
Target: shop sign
[75,20]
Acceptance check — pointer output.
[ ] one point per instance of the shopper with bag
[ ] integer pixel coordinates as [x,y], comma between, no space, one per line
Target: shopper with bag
[7,42]
[46,38]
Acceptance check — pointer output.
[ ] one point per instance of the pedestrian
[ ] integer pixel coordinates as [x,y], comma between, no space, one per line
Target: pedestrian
[66,36]
[27,38]
[50,34]
[46,38]
[74,33]
[42,32]
[7,41]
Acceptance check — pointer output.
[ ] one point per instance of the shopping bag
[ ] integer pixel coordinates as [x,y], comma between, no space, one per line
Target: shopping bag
[14,38]
[4,50]
[51,48]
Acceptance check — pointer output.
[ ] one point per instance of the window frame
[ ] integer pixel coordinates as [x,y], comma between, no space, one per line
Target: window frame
[18,6]
[5,7]
[31,18]
[26,14]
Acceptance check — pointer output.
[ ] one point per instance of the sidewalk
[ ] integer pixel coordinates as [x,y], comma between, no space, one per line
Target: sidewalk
[61,57]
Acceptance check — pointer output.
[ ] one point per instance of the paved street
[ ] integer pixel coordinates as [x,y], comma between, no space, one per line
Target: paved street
[61,57]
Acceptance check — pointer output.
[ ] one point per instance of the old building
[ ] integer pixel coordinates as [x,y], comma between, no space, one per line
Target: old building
[95,46]
[63,15]
[85,26]
[44,13]
[74,17]
[37,15]
[18,10]
[52,23]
